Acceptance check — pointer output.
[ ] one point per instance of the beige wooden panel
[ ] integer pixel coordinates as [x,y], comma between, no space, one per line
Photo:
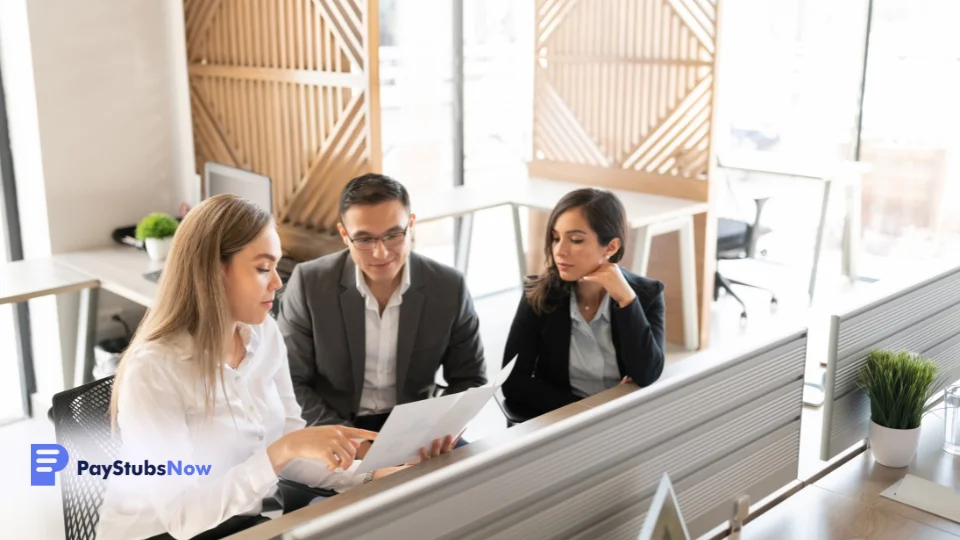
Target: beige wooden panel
[289,89]
[624,98]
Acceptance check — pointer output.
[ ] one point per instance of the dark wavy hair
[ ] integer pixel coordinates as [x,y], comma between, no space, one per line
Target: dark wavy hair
[606,216]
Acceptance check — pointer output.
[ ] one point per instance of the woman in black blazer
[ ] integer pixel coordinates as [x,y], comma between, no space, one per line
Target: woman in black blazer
[584,324]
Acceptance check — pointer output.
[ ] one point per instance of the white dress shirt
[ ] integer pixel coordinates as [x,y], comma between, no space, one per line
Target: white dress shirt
[380,360]
[593,358]
[162,417]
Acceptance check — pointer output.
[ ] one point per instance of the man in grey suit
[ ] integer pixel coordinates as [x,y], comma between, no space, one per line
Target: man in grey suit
[367,328]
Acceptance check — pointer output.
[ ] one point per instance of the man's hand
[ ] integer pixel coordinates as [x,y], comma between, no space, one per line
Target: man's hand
[440,446]
[363,449]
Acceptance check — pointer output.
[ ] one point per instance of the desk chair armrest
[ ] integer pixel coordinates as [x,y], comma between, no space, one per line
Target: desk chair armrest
[294,495]
[513,415]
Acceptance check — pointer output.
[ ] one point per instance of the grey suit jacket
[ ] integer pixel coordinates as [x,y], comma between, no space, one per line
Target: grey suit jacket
[322,321]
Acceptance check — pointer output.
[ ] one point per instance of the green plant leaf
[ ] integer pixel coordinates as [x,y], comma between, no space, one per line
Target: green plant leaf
[156,225]
[899,385]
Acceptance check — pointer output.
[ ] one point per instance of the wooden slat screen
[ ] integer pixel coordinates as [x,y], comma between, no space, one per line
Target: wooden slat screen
[289,89]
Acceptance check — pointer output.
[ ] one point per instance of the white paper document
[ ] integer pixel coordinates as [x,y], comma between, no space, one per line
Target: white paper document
[413,426]
[927,496]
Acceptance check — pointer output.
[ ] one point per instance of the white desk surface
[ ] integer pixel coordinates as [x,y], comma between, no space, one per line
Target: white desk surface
[22,280]
[792,165]
[642,209]
[120,270]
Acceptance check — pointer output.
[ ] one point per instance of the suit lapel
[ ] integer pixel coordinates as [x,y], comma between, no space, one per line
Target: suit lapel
[351,306]
[410,314]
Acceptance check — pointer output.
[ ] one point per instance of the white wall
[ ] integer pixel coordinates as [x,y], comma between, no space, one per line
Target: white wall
[100,127]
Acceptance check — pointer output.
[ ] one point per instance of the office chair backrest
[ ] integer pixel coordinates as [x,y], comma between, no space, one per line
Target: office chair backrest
[728,427]
[921,316]
[81,418]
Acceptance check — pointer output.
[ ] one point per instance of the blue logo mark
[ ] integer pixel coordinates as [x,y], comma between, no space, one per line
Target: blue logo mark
[45,461]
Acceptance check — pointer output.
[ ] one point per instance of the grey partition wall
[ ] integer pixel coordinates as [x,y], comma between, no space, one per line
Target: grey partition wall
[728,428]
[921,317]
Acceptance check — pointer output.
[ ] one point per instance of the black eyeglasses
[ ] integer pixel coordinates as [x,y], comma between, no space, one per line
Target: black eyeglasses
[390,240]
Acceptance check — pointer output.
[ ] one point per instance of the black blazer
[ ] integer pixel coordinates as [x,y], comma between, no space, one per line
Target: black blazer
[540,381]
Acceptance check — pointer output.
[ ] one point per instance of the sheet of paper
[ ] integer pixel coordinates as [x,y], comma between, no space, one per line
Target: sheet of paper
[927,496]
[401,431]
[457,418]
[413,426]
[504,373]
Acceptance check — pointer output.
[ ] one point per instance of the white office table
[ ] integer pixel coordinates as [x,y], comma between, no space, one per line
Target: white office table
[648,215]
[846,173]
[24,280]
[118,269]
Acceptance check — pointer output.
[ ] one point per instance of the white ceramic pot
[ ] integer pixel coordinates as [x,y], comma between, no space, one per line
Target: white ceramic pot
[893,447]
[158,248]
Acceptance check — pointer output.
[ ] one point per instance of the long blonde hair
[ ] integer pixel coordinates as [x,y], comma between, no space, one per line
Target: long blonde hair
[191,297]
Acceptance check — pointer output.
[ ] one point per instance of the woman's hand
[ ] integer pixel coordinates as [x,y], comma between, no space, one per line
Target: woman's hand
[387,471]
[609,275]
[334,445]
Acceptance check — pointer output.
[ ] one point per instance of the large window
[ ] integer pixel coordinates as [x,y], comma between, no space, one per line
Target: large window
[909,134]
[416,106]
[417,100]
[791,82]
[15,377]
[11,394]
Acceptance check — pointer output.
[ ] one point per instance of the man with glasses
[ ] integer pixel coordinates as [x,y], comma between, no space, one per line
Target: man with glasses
[367,328]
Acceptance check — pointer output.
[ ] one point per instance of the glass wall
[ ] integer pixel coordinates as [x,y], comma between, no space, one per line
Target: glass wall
[789,83]
[416,92]
[498,122]
[416,84]
[11,392]
[910,114]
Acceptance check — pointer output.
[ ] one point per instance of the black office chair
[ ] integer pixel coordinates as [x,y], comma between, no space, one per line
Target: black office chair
[513,414]
[81,420]
[738,240]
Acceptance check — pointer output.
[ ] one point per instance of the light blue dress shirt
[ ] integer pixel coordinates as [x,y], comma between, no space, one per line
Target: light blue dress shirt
[593,358]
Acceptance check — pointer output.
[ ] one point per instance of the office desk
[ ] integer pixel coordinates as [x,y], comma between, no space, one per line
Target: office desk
[118,269]
[647,215]
[846,503]
[275,528]
[23,280]
[847,173]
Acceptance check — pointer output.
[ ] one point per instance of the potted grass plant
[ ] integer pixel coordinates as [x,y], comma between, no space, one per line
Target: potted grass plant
[899,385]
[156,232]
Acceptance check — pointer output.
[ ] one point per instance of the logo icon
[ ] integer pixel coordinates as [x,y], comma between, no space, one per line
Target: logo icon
[45,461]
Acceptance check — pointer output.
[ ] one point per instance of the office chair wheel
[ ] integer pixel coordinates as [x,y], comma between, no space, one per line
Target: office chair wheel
[774,304]
[743,319]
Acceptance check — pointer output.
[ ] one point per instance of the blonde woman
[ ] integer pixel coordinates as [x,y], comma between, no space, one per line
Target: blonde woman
[206,383]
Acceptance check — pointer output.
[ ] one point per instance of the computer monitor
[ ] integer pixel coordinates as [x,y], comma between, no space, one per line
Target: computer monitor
[254,187]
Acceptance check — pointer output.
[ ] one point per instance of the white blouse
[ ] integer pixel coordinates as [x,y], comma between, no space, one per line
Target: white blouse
[161,418]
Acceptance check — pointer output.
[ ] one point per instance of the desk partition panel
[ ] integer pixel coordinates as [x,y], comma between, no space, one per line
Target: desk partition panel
[730,427]
[922,316]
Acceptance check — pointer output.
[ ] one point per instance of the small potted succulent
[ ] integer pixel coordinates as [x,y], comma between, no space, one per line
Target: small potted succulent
[156,232]
[899,385]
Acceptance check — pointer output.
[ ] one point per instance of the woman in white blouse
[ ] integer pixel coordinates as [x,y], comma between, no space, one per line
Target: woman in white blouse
[206,382]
